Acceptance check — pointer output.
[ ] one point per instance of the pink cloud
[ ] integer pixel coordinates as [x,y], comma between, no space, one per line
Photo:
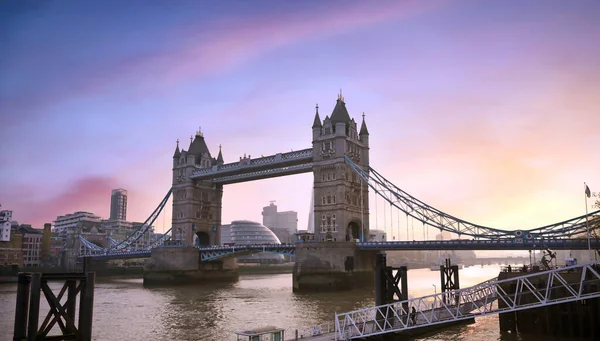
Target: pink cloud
[91,194]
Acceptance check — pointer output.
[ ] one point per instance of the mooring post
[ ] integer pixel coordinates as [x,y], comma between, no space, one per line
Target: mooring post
[87,264]
[34,306]
[22,308]
[449,281]
[86,304]
[380,282]
[71,300]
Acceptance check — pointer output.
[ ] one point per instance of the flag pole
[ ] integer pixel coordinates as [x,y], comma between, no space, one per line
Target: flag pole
[587,224]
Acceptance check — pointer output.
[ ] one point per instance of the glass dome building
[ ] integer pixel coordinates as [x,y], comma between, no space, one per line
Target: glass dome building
[244,232]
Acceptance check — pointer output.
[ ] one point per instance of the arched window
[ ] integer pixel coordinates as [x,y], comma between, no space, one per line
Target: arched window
[329,199]
[334,199]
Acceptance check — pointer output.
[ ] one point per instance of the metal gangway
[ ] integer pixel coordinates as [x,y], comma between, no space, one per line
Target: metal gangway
[465,304]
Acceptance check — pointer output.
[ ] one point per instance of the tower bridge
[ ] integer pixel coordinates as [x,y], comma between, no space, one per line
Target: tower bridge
[342,183]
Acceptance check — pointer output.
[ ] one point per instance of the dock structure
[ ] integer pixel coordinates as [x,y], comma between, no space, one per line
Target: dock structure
[564,285]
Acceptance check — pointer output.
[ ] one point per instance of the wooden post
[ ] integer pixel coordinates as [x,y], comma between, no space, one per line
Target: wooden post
[72,300]
[86,305]
[22,307]
[34,306]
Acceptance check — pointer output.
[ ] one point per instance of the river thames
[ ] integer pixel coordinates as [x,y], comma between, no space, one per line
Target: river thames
[125,310]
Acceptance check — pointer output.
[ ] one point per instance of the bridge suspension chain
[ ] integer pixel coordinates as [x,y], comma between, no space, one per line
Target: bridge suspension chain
[139,232]
[437,219]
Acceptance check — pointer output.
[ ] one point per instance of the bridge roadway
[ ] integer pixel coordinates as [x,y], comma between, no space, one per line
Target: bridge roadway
[295,162]
[217,252]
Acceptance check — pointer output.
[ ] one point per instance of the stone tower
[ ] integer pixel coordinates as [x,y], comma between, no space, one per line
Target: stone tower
[341,200]
[196,204]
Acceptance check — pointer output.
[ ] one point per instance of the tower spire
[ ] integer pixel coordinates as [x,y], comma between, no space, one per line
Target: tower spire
[317,121]
[177,152]
[363,126]
[220,156]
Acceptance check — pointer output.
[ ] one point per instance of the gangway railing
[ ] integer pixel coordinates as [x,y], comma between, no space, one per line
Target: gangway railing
[463,304]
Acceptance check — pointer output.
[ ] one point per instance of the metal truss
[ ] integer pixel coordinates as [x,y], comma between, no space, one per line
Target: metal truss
[265,173]
[88,248]
[93,250]
[217,252]
[497,244]
[123,254]
[248,165]
[519,293]
[139,232]
[159,241]
[443,221]
[112,241]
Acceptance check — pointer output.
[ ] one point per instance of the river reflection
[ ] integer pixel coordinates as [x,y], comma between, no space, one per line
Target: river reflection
[125,310]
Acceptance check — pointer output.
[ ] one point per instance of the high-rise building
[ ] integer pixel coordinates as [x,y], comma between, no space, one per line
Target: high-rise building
[283,224]
[118,204]
[5,218]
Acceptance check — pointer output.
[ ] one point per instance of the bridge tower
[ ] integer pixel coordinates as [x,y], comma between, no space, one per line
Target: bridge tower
[196,204]
[341,199]
[341,208]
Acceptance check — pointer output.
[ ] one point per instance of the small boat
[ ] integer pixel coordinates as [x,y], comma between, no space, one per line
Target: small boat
[269,333]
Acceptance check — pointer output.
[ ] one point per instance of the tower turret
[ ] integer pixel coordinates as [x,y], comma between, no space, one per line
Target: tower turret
[177,153]
[317,126]
[220,157]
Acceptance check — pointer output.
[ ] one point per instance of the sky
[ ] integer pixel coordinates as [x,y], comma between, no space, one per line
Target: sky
[486,110]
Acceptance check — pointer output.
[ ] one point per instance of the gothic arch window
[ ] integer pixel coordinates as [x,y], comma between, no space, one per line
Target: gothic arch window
[334,198]
[329,199]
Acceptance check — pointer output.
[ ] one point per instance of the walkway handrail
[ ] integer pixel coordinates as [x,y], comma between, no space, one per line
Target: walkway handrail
[467,303]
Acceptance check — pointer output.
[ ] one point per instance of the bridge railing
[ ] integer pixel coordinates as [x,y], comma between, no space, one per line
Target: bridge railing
[308,331]
[467,303]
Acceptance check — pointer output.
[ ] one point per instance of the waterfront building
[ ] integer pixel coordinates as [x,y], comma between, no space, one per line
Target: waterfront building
[118,204]
[283,224]
[31,244]
[69,221]
[244,232]
[5,219]
[11,256]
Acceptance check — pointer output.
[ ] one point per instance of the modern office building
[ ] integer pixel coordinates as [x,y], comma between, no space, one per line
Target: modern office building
[118,204]
[244,232]
[283,224]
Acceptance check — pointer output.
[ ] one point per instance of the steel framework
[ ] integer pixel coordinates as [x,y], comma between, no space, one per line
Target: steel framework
[216,252]
[280,160]
[530,291]
[139,232]
[443,221]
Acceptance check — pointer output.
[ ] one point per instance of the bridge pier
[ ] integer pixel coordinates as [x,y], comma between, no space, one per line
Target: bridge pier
[182,265]
[332,266]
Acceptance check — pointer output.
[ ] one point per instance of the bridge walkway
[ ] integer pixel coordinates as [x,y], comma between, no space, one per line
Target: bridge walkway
[569,284]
